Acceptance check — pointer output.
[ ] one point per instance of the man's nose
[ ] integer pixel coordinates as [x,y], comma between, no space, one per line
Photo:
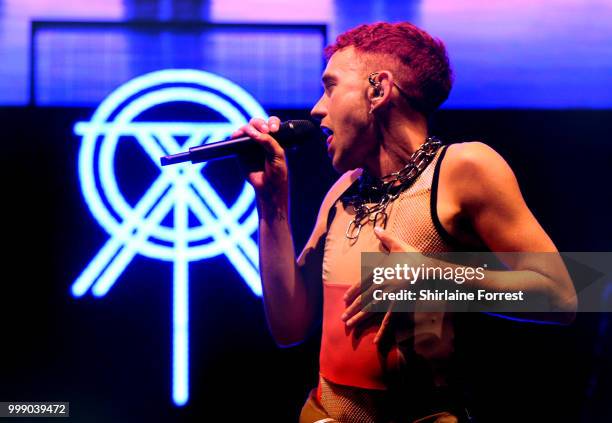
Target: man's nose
[318,111]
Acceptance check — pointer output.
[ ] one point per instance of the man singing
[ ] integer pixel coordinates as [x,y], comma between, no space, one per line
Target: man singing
[399,190]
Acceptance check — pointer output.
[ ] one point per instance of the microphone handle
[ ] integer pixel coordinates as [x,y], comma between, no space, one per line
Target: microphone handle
[215,150]
[290,134]
[227,148]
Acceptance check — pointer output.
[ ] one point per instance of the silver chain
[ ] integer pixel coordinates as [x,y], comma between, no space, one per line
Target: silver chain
[388,188]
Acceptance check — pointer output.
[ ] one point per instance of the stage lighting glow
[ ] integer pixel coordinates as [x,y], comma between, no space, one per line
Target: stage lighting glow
[178,190]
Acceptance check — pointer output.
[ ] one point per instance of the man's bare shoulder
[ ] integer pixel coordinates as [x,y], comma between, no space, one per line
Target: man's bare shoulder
[474,171]
[476,162]
[474,156]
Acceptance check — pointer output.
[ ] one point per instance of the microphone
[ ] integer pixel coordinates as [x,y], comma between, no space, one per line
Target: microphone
[290,134]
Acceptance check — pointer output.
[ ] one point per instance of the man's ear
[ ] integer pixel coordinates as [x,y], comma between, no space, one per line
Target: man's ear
[379,92]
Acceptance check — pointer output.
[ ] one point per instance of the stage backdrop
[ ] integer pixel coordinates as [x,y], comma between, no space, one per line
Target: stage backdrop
[133,291]
[112,356]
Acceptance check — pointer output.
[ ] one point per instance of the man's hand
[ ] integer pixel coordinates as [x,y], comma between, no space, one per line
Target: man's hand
[358,312]
[271,181]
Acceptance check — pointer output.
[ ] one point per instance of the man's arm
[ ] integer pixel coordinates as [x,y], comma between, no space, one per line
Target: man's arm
[482,187]
[291,289]
[487,193]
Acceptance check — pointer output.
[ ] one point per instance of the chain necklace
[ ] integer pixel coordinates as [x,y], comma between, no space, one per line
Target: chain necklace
[382,191]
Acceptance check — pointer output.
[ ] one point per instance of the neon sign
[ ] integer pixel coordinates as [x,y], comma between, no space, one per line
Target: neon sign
[177,191]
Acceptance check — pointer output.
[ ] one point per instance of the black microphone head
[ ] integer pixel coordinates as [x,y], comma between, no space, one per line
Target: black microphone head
[295,132]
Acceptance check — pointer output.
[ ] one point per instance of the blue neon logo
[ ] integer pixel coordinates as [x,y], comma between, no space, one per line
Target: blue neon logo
[178,189]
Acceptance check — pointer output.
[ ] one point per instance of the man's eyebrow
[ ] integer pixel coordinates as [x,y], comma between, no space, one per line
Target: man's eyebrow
[327,78]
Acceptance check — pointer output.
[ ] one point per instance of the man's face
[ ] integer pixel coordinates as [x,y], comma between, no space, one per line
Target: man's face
[343,110]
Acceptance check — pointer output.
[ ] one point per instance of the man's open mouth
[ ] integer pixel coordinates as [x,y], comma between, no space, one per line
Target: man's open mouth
[329,133]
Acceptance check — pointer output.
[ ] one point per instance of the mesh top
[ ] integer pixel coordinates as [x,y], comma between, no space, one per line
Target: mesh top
[354,373]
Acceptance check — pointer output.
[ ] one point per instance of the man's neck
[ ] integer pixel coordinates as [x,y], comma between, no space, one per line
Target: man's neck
[397,143]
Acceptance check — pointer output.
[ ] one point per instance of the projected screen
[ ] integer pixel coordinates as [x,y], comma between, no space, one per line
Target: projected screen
[78,64]
[549,54]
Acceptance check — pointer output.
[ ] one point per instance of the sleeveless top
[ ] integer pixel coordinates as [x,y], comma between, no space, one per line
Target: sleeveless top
[423,340]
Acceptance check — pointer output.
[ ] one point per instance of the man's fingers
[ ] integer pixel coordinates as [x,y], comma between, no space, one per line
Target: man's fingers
[365,313]
[369,323]
[237,133]
[384,325]
[363,294]
[274,123]
[260,125]
[351,310]
[252,131]
[362,304]
[352,292]
[357,288]
[258,130]
[392,243]
[264,127]
[388,241]
[357,318]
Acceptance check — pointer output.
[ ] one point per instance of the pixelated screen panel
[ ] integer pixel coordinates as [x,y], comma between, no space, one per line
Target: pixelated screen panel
[78,64]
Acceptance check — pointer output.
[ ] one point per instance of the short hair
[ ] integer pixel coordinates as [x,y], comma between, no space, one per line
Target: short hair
[421,64]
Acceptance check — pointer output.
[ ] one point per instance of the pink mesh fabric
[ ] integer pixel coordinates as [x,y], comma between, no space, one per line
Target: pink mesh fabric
[348,404]
[347,395]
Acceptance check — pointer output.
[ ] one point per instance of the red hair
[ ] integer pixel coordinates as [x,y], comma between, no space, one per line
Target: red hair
[421,63]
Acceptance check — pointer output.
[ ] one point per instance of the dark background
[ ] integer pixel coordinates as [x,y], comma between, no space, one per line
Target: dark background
[111,357]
